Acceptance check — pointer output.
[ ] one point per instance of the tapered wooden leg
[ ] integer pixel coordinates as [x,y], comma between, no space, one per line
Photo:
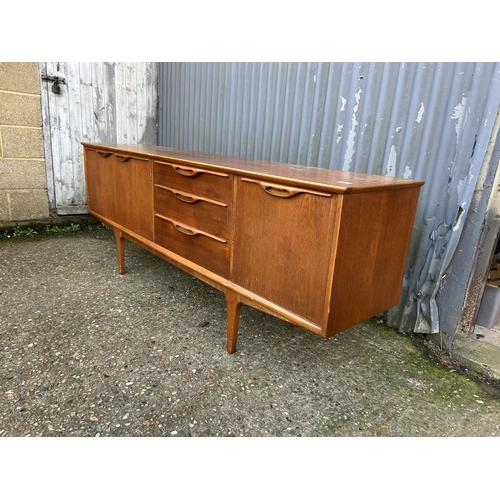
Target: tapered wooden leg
[233,319]
[120,250]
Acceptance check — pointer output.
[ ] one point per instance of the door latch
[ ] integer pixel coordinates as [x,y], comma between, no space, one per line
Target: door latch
[56,80]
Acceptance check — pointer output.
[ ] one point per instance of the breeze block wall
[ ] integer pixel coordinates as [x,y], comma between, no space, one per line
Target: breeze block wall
[23,183]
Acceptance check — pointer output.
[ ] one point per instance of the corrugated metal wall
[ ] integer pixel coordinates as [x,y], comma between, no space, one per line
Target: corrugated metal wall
[429,121]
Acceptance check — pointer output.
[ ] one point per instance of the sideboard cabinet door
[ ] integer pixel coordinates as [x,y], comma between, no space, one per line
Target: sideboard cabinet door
[134,191]
[120,188]
[283,244]
[101,184]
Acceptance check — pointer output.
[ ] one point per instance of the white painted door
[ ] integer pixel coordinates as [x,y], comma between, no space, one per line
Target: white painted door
[112,102]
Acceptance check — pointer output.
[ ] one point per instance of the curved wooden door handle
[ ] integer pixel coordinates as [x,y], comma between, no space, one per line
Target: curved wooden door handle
[282,191]
[279,191]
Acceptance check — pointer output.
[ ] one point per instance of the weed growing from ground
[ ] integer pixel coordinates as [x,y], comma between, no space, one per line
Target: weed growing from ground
[18,231]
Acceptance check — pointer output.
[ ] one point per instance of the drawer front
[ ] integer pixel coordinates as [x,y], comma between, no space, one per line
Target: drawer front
[206,214]
[196,245]
[210,184]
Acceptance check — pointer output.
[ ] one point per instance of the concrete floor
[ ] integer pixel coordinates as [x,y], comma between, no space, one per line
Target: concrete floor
[490,335]
[85,351]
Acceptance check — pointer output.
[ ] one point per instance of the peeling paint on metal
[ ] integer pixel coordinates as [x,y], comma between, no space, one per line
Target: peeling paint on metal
[339,132]
[352,134]
[420,113]
[392,162]
[344,101]
[459,115]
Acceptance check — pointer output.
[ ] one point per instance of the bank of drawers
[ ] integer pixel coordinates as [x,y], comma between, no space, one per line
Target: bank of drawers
[192,214]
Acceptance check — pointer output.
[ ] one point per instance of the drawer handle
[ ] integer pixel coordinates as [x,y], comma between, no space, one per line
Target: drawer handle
[104,154]
[185,199]
[195,232]
[190,231]
[191,172]
[184,230]
[284,191]
[188,198]
[122,158]
[186,171]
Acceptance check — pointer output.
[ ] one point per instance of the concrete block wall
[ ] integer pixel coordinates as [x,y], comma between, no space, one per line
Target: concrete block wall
[23,183]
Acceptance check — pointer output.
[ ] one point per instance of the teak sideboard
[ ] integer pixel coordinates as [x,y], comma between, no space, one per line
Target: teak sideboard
[322,249]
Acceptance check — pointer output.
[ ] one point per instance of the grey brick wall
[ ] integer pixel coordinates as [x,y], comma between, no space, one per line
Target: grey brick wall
[23,184]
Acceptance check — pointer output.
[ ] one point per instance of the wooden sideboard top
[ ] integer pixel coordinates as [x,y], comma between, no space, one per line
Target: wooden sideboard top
[337,181]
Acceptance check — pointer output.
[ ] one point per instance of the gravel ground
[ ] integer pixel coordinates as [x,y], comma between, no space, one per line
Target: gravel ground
[87,352]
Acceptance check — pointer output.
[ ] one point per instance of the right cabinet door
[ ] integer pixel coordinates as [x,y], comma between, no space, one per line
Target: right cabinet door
[134,194]
[283,244]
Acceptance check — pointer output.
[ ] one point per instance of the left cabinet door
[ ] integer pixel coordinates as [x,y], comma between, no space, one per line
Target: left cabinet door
[101,185]
[120,188]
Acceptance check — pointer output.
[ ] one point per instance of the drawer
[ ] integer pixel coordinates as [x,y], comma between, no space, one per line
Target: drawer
[203,182]
[200,247]
[204,213]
